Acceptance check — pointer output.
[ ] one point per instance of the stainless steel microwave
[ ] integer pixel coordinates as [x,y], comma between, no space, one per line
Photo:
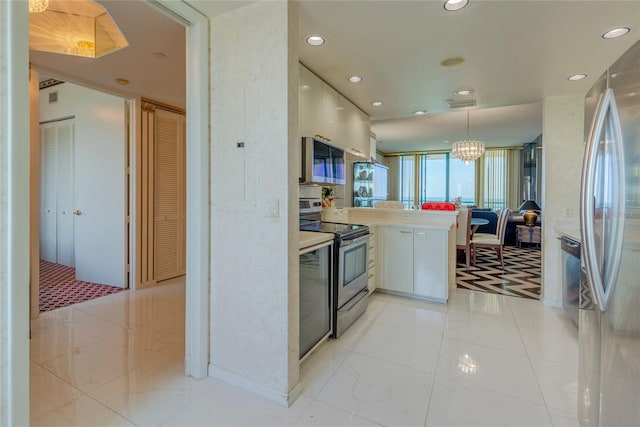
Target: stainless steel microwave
[322,163]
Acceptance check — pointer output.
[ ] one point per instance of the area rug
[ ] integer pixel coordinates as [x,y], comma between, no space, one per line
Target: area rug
[58,287]
[519,278]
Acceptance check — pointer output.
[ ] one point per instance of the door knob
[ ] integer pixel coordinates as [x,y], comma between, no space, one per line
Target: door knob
[77,212]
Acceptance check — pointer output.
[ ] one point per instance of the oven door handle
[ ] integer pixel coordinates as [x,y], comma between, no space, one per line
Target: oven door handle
[344,243]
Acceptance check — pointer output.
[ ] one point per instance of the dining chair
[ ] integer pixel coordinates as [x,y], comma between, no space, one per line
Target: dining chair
[463,234]
[496,241]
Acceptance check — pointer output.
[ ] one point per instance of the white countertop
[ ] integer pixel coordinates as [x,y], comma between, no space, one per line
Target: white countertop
[403,218]
[310,238]
[407,223]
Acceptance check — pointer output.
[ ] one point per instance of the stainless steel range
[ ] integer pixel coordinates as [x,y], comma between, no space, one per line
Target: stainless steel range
[351,260]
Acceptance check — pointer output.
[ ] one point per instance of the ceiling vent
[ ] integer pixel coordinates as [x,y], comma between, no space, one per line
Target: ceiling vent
[462,103]
[48,83]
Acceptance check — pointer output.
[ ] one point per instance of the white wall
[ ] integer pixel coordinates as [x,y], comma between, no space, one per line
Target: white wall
[562,149]
[99,178]
[254,257]
[14,218]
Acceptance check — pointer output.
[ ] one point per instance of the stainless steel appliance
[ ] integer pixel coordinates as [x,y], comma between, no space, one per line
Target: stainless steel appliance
[609,328]
[570,277]
[316,279]
[350,265]
[369,184]
[321,163]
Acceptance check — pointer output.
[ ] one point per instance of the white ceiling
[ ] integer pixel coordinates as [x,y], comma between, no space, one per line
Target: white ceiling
[516,52]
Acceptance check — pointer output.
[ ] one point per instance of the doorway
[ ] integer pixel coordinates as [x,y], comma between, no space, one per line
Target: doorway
[83,196]
[15,316]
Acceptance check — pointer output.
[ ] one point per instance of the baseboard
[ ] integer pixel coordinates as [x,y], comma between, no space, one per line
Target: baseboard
[144,285]
[284,399]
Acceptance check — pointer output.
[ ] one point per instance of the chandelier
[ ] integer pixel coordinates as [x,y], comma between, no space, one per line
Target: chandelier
[73,27]
[37,6]
[467,150]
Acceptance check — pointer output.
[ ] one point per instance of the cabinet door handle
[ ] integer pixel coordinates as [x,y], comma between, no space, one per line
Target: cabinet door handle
[405,232]
[421,233]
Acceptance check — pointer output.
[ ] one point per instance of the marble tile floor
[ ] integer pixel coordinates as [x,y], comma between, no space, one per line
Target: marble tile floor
[483,359]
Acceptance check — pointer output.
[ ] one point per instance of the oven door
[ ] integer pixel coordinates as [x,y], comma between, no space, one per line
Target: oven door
[352,265]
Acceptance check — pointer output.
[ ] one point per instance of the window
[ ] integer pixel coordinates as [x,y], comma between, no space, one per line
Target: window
[440,179]
[407,166]
[462,181]
[434,177]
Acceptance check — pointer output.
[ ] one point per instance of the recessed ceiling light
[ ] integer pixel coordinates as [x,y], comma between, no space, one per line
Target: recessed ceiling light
[420,112]
[354,79]
[615,33]
[376,103]
[463,92]
[159,55]
[576,77]
[315,40]
[122,81]
[453,5]
[452,62]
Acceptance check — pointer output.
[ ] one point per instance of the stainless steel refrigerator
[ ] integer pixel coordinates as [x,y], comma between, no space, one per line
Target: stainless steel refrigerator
[609,315]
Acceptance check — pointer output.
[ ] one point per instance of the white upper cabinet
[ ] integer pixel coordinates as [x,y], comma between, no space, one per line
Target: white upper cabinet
[310,103]
[331,115]
[323,111]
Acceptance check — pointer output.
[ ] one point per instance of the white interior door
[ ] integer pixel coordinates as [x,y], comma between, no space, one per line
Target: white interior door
[100,222]
[64,195]
[56,196]
[48,208]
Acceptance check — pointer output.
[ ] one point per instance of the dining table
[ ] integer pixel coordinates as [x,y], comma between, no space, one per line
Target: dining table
[477,222]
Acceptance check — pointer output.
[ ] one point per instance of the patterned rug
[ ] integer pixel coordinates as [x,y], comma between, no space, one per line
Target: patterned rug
[520,277]
[58,287]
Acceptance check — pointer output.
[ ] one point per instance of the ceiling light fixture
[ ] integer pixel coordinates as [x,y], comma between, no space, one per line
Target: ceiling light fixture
[463,92]
[37,6]
[616,32]
[315,40]
[377,103]
[453,5]
[354,79]
[122,82]
[467,150]
[576,77]
[420,112]
[79,27]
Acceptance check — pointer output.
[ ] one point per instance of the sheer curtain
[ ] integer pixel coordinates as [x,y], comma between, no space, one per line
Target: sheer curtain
[498,182]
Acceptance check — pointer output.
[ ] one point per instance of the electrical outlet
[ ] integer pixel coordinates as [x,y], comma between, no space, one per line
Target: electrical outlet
[568,212]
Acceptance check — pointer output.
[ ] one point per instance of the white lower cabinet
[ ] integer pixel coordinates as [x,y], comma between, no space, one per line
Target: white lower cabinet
[397,259]
[430,261]
[414,261]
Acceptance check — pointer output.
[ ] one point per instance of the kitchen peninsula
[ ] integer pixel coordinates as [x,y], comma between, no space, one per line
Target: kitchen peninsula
[412,252]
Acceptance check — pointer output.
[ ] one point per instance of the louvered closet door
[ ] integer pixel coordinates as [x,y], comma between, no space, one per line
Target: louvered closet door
[169,190]
[48,209]
[56,192]
[64,196]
